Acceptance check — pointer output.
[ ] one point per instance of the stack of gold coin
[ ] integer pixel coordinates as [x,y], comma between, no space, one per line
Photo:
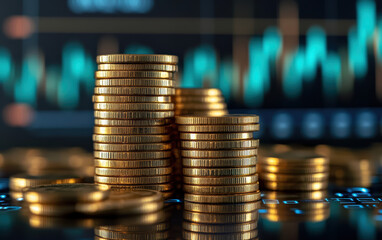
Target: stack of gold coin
[133,117]
[294,171]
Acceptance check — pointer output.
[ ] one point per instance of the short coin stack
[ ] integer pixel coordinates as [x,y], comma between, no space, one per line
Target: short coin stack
[294,171]
[133,117]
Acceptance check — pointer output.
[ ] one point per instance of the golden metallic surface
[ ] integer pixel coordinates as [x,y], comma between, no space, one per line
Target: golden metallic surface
[253,143]
[311,195]
[198,92]
[220,236]
[130,138]
[131,123]
[150,91]
[291,186]
[137,67]
[133,106]
[227,189]
[132,163]
[227,180]
[105,234]
[228,198]
[133,74]
[130,99]
[66,193]
[293,170]
[315,177]
[295,158]
[127,188]
[201,106]
[16,195]
[133,172]
[137,228]
[132,155]
[51,210]
[222,208]
[134,82]
[133,180]
[218,154]
[218,228]
[208,172]
[133,114]
[199,99]
[219,162]
[179,112]
[20,181]
[132,130]
[220,218]
[233,119]
[308,216]
[219,128]
[137,58]
[46,222]
[216,136]
[136,201]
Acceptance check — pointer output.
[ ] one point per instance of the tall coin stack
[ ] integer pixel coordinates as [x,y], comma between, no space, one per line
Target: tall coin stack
[294,171]
[133,116]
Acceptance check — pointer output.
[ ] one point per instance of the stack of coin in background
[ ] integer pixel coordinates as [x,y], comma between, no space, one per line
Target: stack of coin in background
[295,170]
[133,117]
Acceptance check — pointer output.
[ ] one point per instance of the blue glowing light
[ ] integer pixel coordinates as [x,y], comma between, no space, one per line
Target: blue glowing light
[110,6]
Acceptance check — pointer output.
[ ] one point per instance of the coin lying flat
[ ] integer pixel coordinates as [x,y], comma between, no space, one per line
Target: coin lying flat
[293,170]
[221,112]
[218,154]
[220,218]
[131,123]
[233,119]
[137,58]
[132,155]
[137,67]
[51,210]
[131,138]
[216,136]
[222,208]
[133,74]
[134,82]
[150,91]
[161,226]
[198,92]
[227,180]
[201,106]
[133,180]
[66,193]
[132,130]
[102,234]
[133,106]
[131,99]
[219,128]
[303,186]
[207,172]
[220,236]
[315,177]
[295,158]
[133,172]
[218,228]
[127,188]
[132,163]
[133,114]
[220,162]
[199,99]
[245,188]
[253,143]
[228,198]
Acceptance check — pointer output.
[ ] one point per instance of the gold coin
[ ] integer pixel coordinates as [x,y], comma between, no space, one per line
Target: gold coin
[155,91]
[219,128]
[132,164]
[295,158]
[207,172]
[220,162]
[20,181]
[133,74]
[66,193]
[311,217]
[220,218]
[201,106]
[131,138]
[134,82]
[137,228]
[315,177]
[253,143]
[133,106]
[221,180]
[288,186]
[133,180]
[131,99]
[220,236]
[132,147]
[133,115]
[198,92]
[222,112]
[137,58]
[293,170]
[127,188]
[132,130]
[133,172]
[245,188]
[138,201]
[228,198]
[222,208]
[137,67]
[132,155]
[233,119]
[199,99]
[216,136]
[311,195]
[105,234]
[46,222]
[51,210]
[218,154]
[131,123]
[217,228]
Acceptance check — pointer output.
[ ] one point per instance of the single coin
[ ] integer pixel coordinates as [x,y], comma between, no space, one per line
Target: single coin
[133,115]
[218,228]
[133,172]
[293,170]
[224,120]
[136,227]
[245,188]
[134,82]
[315,177]
[138,67]
[132,163]
[179,112]
[216,136]
[220,218]
[310,217]
[198,92]
[221,180]
[219,128]
[131,99]
[134,91]
[287,186]
[228,198]
[51,210]
[133,74]
[105,234]
[132,155]
[132,147]
[253,143]
[133,106]
[220,236]
[127,188]
[311,195]
[199,99]
[207,172]
[222,208]
[132,130]
[295,158]
[218,154]
[201,106]
[133,180]
[131,138]
[220,162]
[49,222]
[137,58]
[132,123]
[136,201]
[66,193]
